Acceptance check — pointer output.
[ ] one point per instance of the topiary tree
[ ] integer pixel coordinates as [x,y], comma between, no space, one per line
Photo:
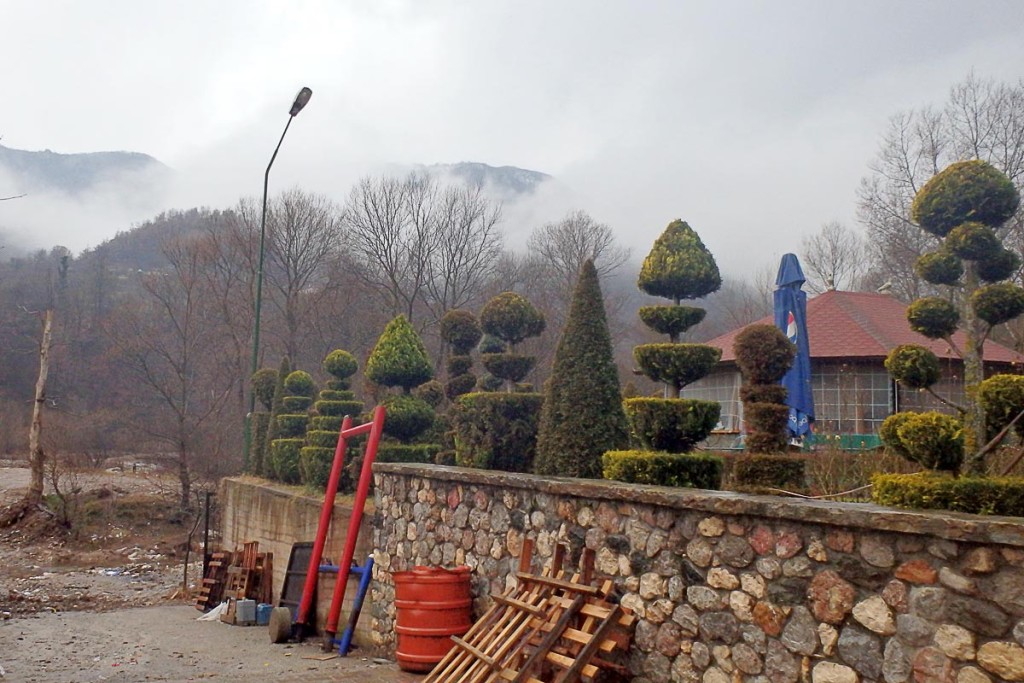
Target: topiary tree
[333,403]
[263,383]
[399,358]
[764,354]
[933,440]
[963,207]
[510,318]
[461,331]
[262,456]
[582,413]
[679,267]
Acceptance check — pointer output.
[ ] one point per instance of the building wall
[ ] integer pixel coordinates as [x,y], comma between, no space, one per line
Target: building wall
[278,516]
[729,587]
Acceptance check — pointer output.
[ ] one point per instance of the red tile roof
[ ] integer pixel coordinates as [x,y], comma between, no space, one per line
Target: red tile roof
[865,325]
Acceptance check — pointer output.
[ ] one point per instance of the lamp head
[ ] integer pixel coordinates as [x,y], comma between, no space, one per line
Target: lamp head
[300,101]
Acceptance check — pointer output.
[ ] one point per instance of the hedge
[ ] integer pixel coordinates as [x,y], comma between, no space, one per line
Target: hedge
[671,424]
[936,491]
[416,453]
[664,469]
[769,471]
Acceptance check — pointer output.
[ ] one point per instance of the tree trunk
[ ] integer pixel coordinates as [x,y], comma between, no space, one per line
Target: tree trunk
[36,457]
[974,374]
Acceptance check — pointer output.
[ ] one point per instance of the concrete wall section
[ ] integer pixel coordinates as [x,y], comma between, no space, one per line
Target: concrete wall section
[730,587]
[277,517]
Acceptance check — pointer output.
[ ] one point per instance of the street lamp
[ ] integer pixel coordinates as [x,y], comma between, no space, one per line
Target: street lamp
[301,100]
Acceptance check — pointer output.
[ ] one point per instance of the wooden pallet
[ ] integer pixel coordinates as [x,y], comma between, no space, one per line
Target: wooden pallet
[243,574]
[549,627]
[211,592]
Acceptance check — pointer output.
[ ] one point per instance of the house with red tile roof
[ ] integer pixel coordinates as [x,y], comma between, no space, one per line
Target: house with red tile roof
[850,334]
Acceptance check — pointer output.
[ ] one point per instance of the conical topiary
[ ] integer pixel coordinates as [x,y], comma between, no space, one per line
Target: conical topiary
[582,416]
[290,427]
[333,403]
[399,358]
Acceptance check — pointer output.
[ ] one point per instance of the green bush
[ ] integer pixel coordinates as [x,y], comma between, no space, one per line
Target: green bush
[399,358]
[676,364]
[508,366]
[258,464]
[766,427]
[933,440]
[459,365]
[414,453]
[939,268]
[763,393]
[336,395]
[763,354]
[679,266]
[671,424]
[431,392]
[296,404]
[889,432]
[291,426]
[511,318]
[933,317]
[315,466]
[445,458]
[671,320]
[263,383]
[461,330]
[340,364]
[998,266]
[339,408]
[962,192]
[998,303]
[770,471]
[300,383]
[496,431]
[406,417]
[323,439]
[1002,398]
[914,366]
[284,459]
[933,490]
[325,423]
[461,384]
[973,241]
[664,469]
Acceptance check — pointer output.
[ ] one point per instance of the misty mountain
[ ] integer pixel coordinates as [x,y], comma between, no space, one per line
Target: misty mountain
[46,171]
[506,182]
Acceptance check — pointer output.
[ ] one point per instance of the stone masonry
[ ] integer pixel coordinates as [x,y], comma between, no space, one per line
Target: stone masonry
[729,587]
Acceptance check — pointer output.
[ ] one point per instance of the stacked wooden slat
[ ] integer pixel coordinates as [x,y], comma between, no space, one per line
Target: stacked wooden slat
[243,574]
[549,627]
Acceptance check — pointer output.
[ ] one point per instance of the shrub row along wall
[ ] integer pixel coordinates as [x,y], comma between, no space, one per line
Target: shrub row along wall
[731,587]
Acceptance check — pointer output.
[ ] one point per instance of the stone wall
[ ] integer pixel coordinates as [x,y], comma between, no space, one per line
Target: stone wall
[278,516]
[730,587]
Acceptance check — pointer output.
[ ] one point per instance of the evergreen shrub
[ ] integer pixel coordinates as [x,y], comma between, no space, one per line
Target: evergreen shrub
[757,472]
[938,491]
[693,470]
[1002,397]
[284,459]
[300,383]
[339,408]
[323,438]
[496,431]
[414,453]
[291,426]
[296,404]
[406,416]
[674,425]
[676,364]
[913,365]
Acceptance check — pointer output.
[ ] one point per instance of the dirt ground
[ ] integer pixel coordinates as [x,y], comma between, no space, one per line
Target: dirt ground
[104,602]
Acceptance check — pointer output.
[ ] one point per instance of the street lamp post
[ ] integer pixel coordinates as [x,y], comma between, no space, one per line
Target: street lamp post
[300,101]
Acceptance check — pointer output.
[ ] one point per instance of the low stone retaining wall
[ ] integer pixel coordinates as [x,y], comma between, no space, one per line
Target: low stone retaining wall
[278,516]
[729,587]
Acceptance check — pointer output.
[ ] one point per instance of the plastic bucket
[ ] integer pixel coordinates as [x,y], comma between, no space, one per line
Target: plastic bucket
[433,604]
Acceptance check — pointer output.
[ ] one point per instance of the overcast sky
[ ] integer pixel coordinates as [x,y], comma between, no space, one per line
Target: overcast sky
[754,121]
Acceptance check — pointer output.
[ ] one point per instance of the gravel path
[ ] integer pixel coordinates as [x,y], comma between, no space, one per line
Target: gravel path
[167,644]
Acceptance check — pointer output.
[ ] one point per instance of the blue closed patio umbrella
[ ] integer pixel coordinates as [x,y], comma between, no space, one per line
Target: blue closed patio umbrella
[791,318]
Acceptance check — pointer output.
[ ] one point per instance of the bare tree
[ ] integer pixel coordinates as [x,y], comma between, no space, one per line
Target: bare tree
[983,119]
[36,456]
[833,258]
[566,245]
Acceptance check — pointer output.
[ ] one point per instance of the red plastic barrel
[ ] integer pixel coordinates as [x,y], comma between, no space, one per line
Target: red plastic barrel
[433,604]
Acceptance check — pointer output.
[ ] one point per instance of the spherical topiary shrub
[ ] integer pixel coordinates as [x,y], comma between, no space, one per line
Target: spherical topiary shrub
[300,383]
[998,266]
[508,366]
[998,303]
[461,330]
[933,317]
[431,392]
[939,268]
[671,320]
[263,382]
[679,263]
[460,384]
[1002,397]
[913,366]
[763,353]
[407,416]
[340,364]
[889,433]
[934,440]
[511,318]
[973,241]
[965,191]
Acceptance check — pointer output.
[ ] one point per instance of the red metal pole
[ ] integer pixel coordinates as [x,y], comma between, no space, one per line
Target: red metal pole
[313,571]
[353,525]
